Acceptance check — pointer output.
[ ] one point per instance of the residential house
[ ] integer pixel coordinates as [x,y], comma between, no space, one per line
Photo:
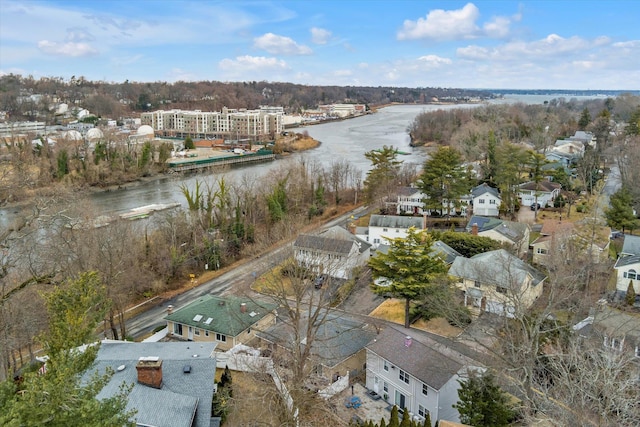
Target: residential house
[513,234]
[497,282]
[613,329]
[385,227]
[334,252]
[417,377]
[587,138]
[410,201]
[225,320]
[337,348]
[543,193]
[172,382]
[552,236]
[486,200]
[567,239]
[565,151]
[628,265]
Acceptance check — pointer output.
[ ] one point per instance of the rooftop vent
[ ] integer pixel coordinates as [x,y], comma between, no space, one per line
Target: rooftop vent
[186,369]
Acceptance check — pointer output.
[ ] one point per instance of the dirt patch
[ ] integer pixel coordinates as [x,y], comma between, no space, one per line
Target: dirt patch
[393,311]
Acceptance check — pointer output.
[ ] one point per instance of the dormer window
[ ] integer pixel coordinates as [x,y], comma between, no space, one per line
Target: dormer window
[631,274]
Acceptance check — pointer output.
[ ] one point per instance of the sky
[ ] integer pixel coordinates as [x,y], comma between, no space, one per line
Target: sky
[561,44]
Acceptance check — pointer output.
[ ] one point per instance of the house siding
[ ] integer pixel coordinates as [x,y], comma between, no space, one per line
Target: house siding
[412,391]
[486,205]
[622,282]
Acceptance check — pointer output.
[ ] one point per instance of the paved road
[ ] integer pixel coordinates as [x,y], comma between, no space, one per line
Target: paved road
[235,281]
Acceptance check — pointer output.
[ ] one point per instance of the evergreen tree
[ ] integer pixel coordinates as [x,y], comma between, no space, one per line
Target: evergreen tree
[620,214]
[444,180]
[394,420]
[188,143]
[481,402]
[630,298]
[427,420]
[382,423]
[585,119]
[406,420]
[382,178]
[408,269]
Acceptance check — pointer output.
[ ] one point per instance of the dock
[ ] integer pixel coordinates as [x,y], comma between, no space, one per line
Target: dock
[221,159]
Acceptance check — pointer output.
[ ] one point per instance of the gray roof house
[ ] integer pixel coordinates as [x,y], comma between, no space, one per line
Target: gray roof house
[338,347]
[628,266]
[419,377]
[616,330]
[173,382]
[385,227]
[631,245]
[497,282]
[486,200]
[333,251]
[515,234]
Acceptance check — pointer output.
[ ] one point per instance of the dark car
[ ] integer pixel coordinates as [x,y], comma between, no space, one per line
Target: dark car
[318,282]
[535,206]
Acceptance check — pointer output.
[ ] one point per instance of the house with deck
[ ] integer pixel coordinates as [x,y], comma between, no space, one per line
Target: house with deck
[416,375]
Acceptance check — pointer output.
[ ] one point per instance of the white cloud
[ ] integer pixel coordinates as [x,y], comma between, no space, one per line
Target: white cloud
[441,24]
[459,24]
[280,45]
[434,60]
[66,49]
[252,63]
[320,35]
[497,28]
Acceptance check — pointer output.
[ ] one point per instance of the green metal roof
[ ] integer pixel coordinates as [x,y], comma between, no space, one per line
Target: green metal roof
[222,315]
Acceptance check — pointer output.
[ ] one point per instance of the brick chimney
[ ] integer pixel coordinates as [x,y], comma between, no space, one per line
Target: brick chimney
[150,371]
[243,307]
[474,229]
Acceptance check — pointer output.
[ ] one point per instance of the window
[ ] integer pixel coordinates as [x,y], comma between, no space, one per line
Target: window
[481,201]
[492,202]
[397,230]
[501,290]
[422,411]
[177,329]
[476,283]
[404,376]
[541,251]
[385,386]
[385,229]
[638,351]
[386,366]
[220,337]
[197,331]
[425,390]
[376,240]
[631,274]
[206,333]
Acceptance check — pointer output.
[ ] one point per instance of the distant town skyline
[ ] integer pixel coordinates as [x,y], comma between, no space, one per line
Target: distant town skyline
[482,44]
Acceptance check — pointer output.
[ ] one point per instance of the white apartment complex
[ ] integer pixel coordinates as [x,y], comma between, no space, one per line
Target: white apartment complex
[231,123]
[16,128]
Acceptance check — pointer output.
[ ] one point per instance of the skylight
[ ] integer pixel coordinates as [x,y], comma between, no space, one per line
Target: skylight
[208,321]
[197,318]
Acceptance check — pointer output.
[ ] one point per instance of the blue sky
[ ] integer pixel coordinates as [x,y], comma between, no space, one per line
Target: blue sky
[483,44]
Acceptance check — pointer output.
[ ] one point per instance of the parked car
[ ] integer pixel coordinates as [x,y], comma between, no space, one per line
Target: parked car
[318,282]
[535,206]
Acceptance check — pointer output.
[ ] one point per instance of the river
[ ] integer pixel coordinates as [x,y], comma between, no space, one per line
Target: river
[347,139]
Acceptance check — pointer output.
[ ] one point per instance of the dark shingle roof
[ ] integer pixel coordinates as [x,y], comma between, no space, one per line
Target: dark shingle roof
[334,240]
[627,260]
[484,223]
[223,315]
[546,186]
[395,221]
[419,360]
[497,267]
[631,245]
[484,188]
[183,400]
[337,338]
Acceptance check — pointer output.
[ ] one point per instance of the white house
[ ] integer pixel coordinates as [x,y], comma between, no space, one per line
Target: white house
[411,201]
[544,193]
[334,252]
[628,265]
[415,376]
[385,227]
[486,200]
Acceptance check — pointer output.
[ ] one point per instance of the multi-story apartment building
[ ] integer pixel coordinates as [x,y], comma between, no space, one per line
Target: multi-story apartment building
[16,128]
[263,123]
